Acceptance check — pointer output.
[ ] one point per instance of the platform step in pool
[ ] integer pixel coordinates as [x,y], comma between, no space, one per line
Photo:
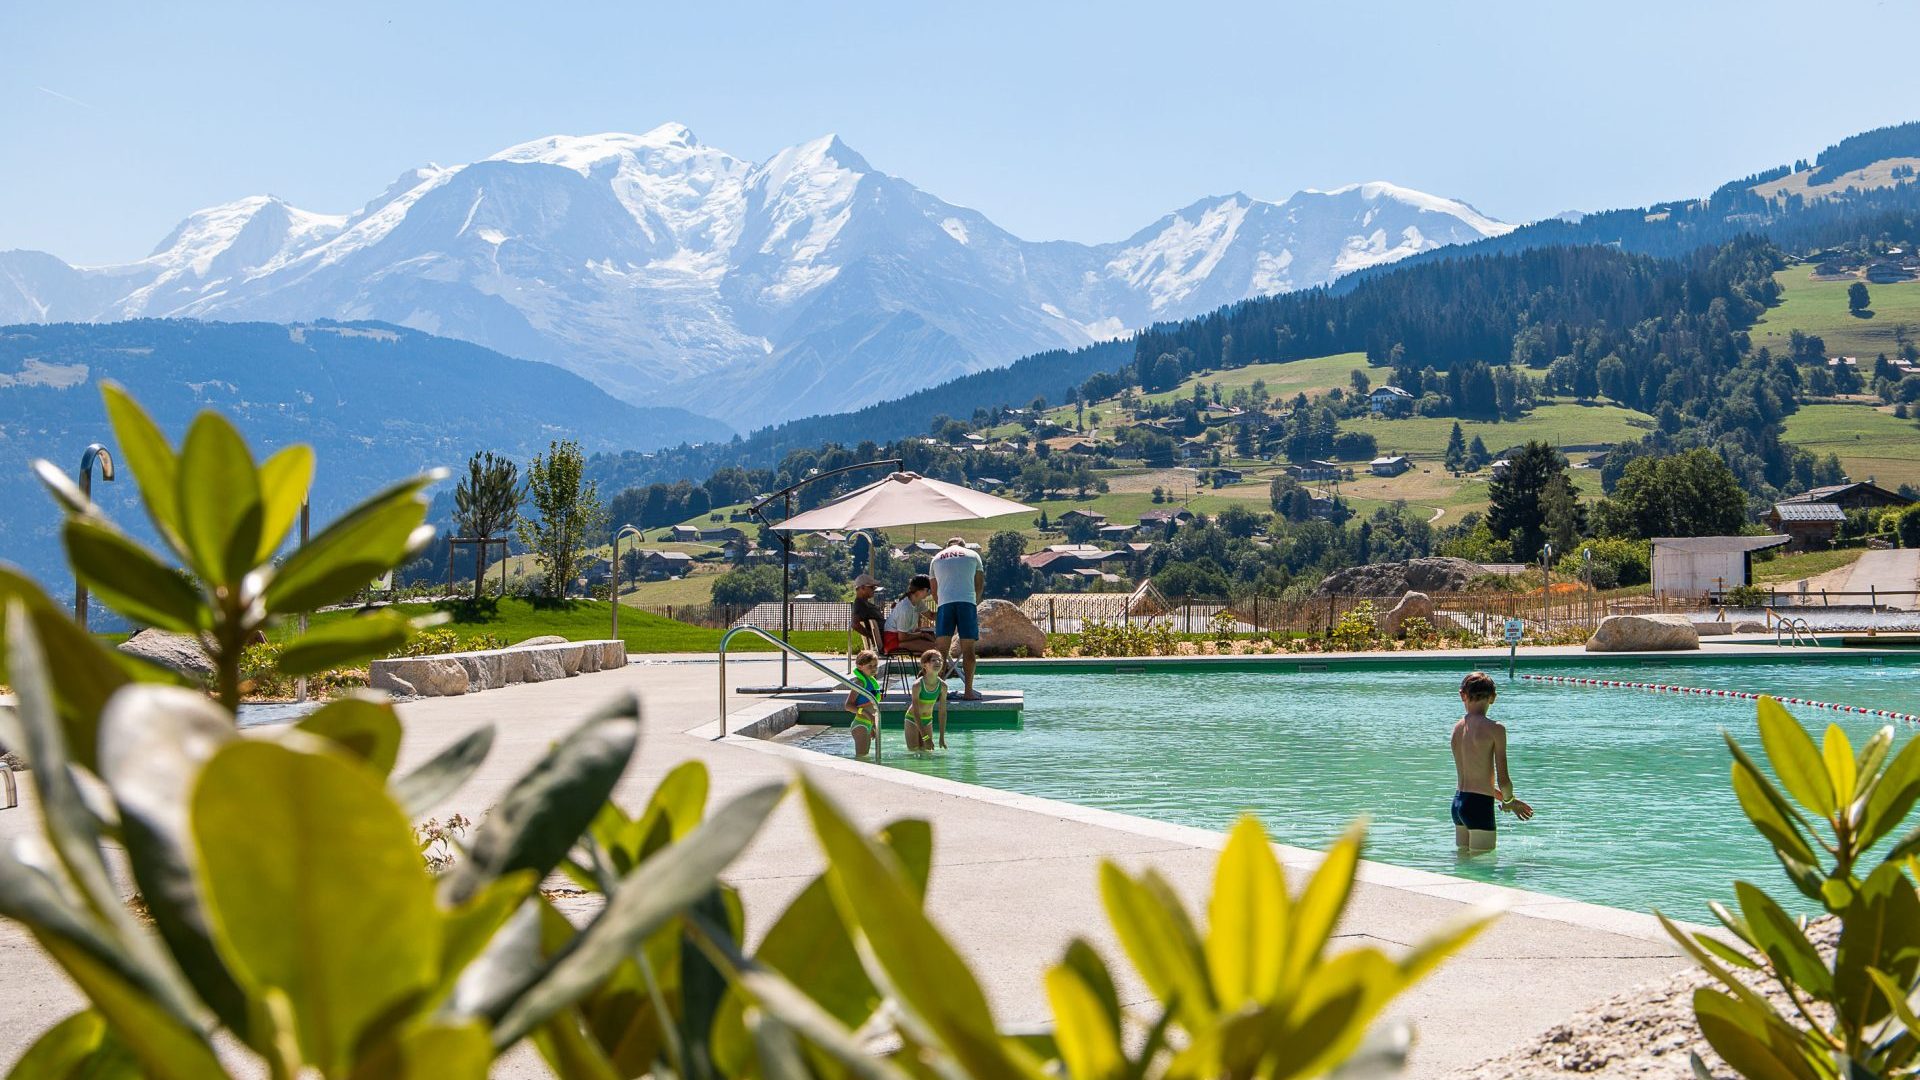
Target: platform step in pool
[1001,710]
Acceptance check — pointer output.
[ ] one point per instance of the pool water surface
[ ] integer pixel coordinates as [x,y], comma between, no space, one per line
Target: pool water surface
[1633,803]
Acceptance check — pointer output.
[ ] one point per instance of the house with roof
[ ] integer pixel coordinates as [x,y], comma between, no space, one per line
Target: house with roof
[1223,477]
[1389,401]
[1165,519]
[1697,566]
[718,535]
[1093,517]
[655,565]
[1118,533]
[1310,471]
[1859,495]
[1389,465]
[1812,526]
[686,533]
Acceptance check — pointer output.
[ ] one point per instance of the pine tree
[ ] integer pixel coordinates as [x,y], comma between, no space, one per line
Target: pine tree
[1477,456]
[1456,448]
[1516,512]
[1560,514]
[486,502]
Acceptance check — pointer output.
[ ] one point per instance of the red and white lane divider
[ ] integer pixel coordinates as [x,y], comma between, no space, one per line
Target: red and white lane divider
[1622,684]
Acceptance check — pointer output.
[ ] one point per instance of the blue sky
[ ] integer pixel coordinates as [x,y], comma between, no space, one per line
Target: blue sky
[1076,121]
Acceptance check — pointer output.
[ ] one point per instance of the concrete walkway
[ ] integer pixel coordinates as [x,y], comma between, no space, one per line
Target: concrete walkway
[1014,876]
[1894,571]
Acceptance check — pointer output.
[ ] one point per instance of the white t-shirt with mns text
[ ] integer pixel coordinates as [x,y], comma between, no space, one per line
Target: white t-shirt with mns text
[953,571]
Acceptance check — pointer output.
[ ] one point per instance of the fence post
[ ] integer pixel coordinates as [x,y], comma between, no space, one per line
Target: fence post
[1053,625]
[1873,598]
[1256,613]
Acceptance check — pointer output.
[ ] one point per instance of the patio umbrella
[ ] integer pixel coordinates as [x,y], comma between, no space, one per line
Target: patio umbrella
[903,498]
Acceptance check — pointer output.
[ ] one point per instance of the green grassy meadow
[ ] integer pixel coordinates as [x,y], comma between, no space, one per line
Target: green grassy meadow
[1820,307]
[1868,441]
[1311,377]
[582,620]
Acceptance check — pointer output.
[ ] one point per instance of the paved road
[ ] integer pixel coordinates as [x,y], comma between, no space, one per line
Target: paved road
[1893,571]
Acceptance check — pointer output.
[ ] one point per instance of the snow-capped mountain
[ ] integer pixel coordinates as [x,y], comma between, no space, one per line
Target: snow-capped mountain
[674,273]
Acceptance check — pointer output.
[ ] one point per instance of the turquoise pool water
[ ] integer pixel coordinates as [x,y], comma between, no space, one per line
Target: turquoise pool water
[1634,807]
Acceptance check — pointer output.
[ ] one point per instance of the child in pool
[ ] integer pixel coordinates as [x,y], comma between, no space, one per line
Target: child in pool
[1480,769]
[866,713]
[928,696]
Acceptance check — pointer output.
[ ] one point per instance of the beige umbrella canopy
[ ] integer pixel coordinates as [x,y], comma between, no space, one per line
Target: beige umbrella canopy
[903,498]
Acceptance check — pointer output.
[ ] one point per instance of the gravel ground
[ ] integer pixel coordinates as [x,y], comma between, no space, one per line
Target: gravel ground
[1643,1034]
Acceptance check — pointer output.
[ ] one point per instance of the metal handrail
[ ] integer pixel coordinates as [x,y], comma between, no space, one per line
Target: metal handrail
[815,664]
[1794,626]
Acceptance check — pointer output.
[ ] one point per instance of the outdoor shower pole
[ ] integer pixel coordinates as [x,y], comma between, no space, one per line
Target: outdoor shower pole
[94,452]
[625,531]
[300,684]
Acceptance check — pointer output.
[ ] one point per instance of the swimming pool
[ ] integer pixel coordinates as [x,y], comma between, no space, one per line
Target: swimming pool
[1631,788]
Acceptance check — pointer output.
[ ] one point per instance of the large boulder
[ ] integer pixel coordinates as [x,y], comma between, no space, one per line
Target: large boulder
[1006,631]
[541,639]
[177,652]
[419,676]
[1644,633]
[1436,575]
[1414,605]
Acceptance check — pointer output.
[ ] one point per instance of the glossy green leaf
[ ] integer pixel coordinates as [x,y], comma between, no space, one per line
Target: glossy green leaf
[1727,953]
[166,1047]
[467,929]
[679,800]
[284,481]
[441,775]
[1159,939]
[344,642]
[362,544]
[1081,957]
[939,1000]
[431,1052]
[145,453]
[800,1012]
[1763,808]
[911,841]
[1797,761]
[217,493]
[153,742]
[1318,908]
[1713,967]
[1837,754]
[1880,930]
[1899,999]
[570,1052]
[1331,1015]
[130,580]
[1893,796]
[1089,1047]
[1741,1039]
[77,1048]
[63,489]
[1780,937]
[656,891]
[363,725]
[1246,919]
[314,888]
[548,808]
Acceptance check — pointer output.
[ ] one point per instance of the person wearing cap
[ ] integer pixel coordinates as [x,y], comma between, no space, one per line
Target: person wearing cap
[958,579]
[868,619]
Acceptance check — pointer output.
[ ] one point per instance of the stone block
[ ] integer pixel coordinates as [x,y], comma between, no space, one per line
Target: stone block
[1644,633]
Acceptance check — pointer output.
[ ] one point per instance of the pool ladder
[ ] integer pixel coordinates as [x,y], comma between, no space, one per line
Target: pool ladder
[1794,631]
[798,655]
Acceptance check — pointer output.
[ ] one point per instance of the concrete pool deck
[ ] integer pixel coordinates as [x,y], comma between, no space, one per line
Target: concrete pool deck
[1014,876]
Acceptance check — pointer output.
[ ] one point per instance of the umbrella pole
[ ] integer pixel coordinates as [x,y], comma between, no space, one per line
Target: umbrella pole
[786,590]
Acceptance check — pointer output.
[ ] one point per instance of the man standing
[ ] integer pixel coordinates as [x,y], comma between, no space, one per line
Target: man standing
[958,578]
[868,619]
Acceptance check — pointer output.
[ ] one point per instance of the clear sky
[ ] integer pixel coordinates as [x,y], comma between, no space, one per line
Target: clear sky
[1080,121]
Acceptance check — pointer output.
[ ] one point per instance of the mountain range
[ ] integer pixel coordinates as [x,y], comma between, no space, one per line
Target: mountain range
[673,273]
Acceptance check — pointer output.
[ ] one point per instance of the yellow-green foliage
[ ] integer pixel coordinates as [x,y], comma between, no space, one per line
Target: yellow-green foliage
[1852,1014]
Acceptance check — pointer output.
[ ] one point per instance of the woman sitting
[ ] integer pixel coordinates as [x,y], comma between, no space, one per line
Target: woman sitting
[908,626]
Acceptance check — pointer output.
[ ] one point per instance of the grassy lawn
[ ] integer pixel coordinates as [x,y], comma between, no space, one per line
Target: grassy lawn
[695,588]
[1309,377]
[583,620]
[1560,423]
[1804,564]
[1820,307]
[1869,442]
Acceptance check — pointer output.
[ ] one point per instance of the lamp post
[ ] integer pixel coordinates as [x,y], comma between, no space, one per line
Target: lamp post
[94,453]
[1586,560]
[1546,589]
[300,685]
[625,531]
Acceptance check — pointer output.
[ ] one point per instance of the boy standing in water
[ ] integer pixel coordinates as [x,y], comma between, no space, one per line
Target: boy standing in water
[1480,767]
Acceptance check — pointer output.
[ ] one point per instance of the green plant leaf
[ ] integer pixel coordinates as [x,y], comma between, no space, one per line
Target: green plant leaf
[362,544]
[146,453]
[1318,909]
[314,889]
[1879,929]
[679,800]
[77,1048]
[1795,758]
[130,580]
[435,781]
[1842,770]
[153,742]
[1247,919]
[1781,938]
[166,1047]
[781,998]
[655,892]
[1740,1037]
[1762,806]
[911,841]
[1726,952]
[547,809]
[940,1002]
[1154,930]
[1893,796]
[217,493]
[431,1052]
[344,642]
[1705,960]
[570,1052]
[1089,1047]
[364,726]
[1081,957]
[1899,999]
[285,479]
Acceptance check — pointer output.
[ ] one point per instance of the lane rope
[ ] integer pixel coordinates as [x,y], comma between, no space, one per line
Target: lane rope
[1701,691]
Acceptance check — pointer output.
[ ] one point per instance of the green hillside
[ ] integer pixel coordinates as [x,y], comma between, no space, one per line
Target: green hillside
[1820,307]
[1310,377]
[1869,441]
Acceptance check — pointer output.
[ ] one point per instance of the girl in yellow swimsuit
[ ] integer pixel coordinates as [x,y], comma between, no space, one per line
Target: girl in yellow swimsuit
[865,706]
[927,697]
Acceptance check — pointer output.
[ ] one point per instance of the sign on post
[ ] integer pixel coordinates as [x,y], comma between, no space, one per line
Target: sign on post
[1516,629]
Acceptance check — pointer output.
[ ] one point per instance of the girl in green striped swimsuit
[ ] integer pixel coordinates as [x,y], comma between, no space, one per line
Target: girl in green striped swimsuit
[927,697]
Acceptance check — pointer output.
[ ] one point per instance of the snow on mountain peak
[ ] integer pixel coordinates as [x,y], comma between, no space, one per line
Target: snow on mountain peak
[1374,190]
